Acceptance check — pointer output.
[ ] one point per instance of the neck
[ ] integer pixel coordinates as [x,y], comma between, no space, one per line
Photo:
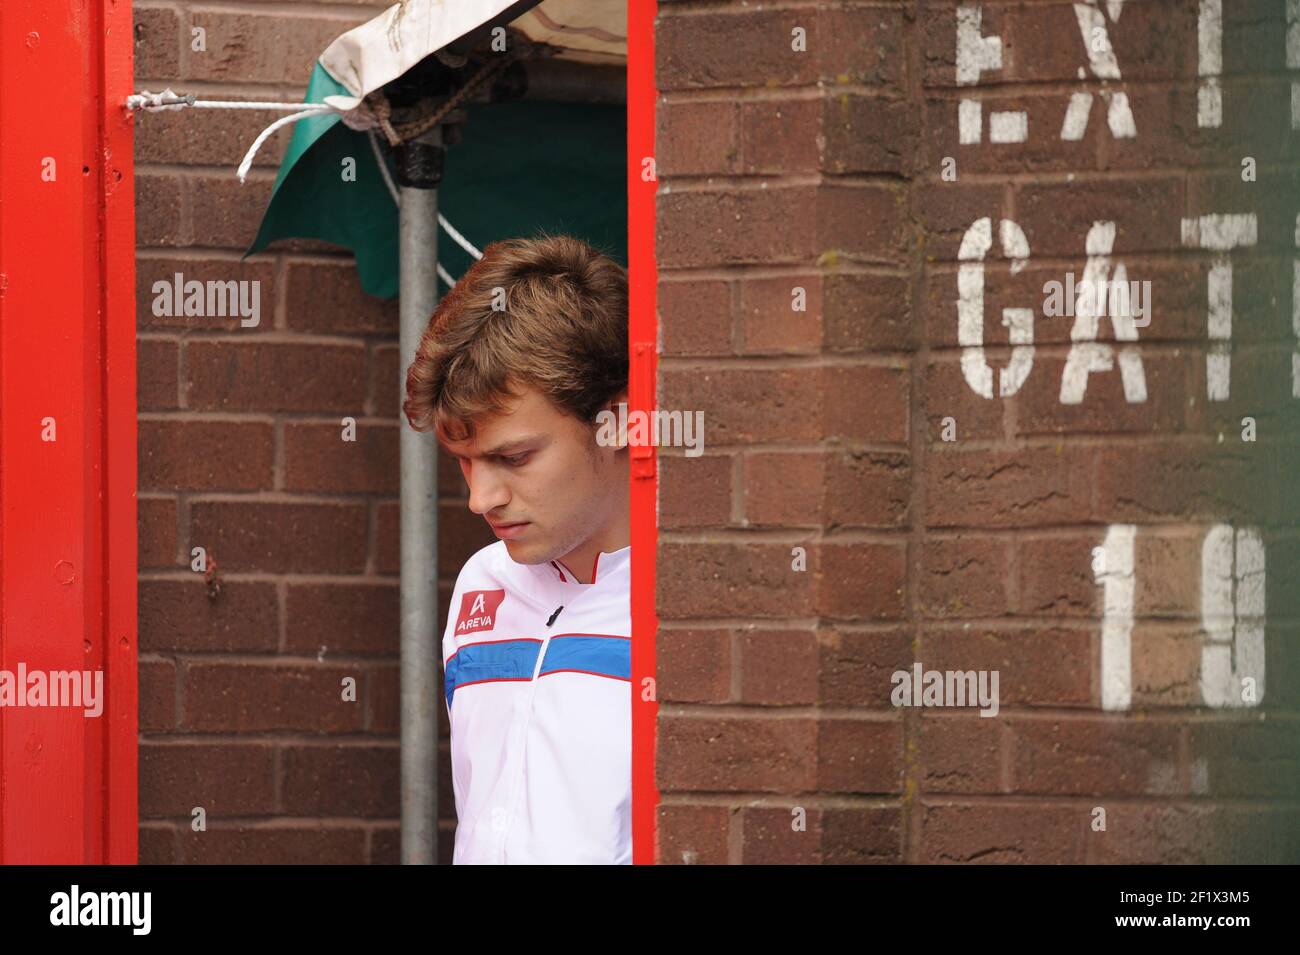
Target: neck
[614,535]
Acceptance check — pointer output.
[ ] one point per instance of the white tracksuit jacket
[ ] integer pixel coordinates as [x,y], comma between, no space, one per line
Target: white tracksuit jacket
[540,715]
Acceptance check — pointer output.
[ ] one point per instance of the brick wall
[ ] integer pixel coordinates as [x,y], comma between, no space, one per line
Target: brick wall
[821,170]
[240,453]
[985,548]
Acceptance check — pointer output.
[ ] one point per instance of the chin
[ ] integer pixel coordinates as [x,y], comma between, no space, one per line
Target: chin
[522,553]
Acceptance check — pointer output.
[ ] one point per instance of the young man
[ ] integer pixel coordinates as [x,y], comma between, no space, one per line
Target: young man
[517,362]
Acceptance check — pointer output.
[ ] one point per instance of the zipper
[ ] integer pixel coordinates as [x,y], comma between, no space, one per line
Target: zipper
[527,724]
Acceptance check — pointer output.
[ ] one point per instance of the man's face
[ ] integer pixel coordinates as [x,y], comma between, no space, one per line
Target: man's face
[539,478]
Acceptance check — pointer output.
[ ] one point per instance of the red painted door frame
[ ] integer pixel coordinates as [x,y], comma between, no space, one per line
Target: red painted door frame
[68,786]
[643,334]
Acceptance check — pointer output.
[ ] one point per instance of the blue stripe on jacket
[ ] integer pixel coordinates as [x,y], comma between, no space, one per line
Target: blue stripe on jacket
[515,659]
[608,656]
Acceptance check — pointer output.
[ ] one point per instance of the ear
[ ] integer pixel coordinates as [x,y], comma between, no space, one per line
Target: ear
[611,428]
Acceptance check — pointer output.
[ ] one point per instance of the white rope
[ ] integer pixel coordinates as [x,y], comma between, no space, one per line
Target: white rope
[442,220]
[266,134]
[459,239]
[169,100]
[383,167]
[447,227]
[236,104]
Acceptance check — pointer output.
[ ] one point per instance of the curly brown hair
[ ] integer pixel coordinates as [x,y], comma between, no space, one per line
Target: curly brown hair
[550,312]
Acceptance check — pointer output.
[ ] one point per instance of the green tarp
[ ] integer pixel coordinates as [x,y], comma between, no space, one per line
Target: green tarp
[521,166]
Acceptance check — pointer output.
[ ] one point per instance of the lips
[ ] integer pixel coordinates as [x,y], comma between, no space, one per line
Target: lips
[508,531]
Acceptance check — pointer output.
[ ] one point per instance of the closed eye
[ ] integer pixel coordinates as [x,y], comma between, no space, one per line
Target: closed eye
[515,460]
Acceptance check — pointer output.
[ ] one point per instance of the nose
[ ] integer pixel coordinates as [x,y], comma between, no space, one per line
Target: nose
[487,491]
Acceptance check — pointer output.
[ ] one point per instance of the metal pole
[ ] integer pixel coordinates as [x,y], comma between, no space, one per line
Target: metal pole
[419,171]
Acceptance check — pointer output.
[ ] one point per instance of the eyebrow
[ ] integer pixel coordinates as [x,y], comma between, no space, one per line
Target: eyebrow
[508,446]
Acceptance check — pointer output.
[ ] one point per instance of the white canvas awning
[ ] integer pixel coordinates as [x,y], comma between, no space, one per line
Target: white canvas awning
[380,50]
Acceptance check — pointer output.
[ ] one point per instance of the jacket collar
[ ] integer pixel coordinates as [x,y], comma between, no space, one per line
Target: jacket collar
[605,564]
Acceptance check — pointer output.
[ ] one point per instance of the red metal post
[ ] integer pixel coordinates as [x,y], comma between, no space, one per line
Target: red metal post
[67,427]
[642,326]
